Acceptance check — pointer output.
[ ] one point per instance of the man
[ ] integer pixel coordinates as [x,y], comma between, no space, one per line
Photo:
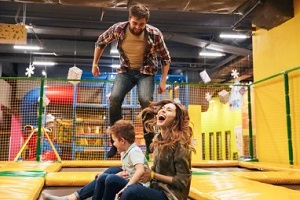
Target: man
[141,46]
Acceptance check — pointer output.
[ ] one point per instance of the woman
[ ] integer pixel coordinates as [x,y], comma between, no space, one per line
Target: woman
[171,171]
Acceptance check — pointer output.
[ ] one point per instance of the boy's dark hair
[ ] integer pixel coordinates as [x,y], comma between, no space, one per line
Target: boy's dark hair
[123,129]
[140,11]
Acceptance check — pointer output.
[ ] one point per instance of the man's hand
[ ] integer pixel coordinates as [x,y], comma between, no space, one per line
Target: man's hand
[161,88]
[95,70]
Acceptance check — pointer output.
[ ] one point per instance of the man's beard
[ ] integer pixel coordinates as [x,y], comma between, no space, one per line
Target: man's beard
[135,31]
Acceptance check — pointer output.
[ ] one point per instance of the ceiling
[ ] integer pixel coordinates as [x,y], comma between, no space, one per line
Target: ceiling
[68,29]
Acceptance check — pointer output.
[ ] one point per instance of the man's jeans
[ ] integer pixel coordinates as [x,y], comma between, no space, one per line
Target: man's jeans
[123,83]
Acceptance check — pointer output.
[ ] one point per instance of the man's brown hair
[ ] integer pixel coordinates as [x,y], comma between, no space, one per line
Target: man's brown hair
[140,11]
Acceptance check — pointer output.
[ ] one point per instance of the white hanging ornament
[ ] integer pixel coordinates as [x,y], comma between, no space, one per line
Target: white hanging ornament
[30,70]
[74,73]
[176,100]
[204,76]
[234,73]
[208,96]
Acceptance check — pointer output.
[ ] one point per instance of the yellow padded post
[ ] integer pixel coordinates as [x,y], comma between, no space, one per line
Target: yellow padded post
[91,163]
[69,178]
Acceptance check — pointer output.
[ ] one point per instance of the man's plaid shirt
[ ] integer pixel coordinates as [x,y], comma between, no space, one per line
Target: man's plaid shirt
[156,49]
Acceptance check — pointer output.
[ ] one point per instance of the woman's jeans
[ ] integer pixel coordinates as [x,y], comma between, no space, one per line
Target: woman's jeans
[123,84]
[88,190]
[140,192]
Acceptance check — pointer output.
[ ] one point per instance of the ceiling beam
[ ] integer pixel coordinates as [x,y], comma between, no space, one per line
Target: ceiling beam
[92,33]
[205,43]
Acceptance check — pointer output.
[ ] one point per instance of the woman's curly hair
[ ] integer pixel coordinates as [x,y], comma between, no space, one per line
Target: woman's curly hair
[180,131]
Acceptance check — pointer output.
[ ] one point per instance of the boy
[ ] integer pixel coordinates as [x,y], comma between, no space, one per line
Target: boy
[106,186]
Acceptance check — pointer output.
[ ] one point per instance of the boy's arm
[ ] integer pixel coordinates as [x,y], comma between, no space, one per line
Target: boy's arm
[137,175]
[135,178]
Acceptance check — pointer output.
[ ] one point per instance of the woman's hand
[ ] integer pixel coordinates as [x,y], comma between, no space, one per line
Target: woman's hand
[146,176]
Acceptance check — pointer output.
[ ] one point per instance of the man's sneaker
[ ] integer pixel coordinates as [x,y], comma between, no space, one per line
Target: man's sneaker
[112,152]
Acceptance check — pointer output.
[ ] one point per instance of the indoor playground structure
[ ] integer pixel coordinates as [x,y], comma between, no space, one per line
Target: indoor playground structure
[54,135]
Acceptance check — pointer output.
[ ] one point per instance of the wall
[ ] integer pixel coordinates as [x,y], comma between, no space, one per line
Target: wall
[275,51]
[195,119]
[219,118]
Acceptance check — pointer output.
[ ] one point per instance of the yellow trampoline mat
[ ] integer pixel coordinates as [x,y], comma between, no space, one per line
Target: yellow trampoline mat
[224,186]
[20,188]
[205,185]
[31,166]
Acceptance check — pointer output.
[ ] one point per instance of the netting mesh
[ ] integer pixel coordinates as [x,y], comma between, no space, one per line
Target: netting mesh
[70,121]
[277,117]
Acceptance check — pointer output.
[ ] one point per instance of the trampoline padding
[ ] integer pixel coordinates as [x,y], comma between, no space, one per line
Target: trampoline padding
[92,163]
[69,178]
[232,187]
[32,165]
[275,178]
[16,188]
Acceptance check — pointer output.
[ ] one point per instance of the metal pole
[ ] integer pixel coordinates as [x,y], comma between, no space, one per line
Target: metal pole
[288,118]
[250,125]
[74,145]
[38,152]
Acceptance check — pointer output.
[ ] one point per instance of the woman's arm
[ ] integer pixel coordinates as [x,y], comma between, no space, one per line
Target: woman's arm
[149,174]
[161,177]
[182,172]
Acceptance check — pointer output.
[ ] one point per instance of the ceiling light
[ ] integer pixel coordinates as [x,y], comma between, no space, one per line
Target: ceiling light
[115,66]
[211,54]
[212,47]
[27,47]
[44,53]
[234,36]
[29,26]
[114,51]
[113,48]
[44,63]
